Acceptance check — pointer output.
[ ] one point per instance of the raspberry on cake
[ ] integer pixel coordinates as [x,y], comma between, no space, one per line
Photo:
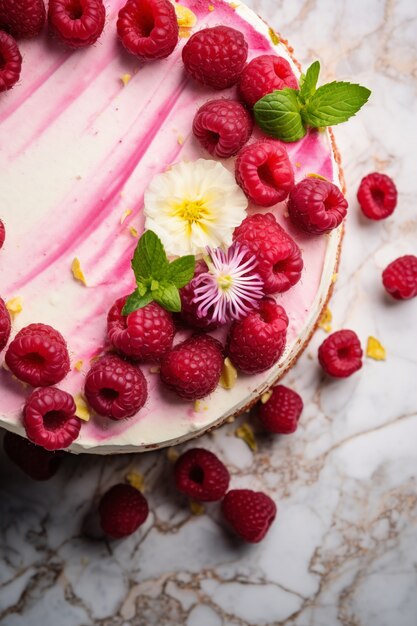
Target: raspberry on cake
[192,368]
[115,388]
[2,234]
[49,418]
[11,64]
[340,355]
[22,18]
[215,56]
[249,513]
[316,206]
[222,127]
[377,196]
[264,172]
[122,510]
[256,343]
[77,23]
[281,412]
[148,28]
[279,258]
[400,277]
[5,325]
[38,355]
[263,75]
[199,474]
[189,308]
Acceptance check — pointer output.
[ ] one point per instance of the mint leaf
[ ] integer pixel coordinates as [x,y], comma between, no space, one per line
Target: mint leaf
[168,297]
[136,301]
[149,259]
[308,81]
[181,271]
[278,115]
[334,103]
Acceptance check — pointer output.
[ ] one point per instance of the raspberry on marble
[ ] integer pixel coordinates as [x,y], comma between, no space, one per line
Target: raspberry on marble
[340,355]
[281,412]
[377,196]
[122,510]
[400,277]
[249,513]
[200,474]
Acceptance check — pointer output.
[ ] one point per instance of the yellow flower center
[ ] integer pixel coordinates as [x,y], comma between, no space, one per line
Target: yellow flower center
[224,282]
[191,211]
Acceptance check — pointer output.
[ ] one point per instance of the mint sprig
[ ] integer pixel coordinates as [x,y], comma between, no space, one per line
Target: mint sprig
[285,114]
[157,279]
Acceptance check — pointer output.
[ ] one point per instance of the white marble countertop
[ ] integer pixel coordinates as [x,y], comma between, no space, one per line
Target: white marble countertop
[343,549]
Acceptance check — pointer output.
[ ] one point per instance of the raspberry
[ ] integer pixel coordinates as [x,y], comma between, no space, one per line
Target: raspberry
[256,343]
[215,56]
[279,258]
[115,388]
[2,234]
[11,62]
[5,324]
[280,414]
[263,75]
[249,513]
[222,127]
[316,206]
[78,23]
[38,355]
[49,418]
[340,355]
[199,474]
[188,307]
[35,461]
[399,278]
[192,368]
[122,510]
[264,172]
[148,28]
[145,334]
[377,195]
[22,18]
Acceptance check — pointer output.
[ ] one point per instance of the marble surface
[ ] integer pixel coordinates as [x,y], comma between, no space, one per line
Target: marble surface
[342,551]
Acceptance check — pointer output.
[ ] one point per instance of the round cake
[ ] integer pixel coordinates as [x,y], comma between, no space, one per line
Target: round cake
[85,132]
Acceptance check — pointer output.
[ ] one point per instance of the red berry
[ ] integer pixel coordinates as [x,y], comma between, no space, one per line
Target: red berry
[38,355]
[249,513]
[49,418]
[35,461]
[263,75]
[264,172]
[215,56]
[5,325]
[2,234]
[222,127]
[340,355]
[115,388]
[11,62]
[377,195]
[316,206]
[399,278]
[148,28]
[22,18]
[256,343]
[145,334]
[189,308]
[122,510]
[192,368]
[280,414]
[279,258]
[78,23]
[199,474]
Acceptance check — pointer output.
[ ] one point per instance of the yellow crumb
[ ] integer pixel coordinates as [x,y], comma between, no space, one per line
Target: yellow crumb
[246,433]
[234,5]
[125,215]
[78,365]
[180,140]
[184,33]
[155,369]
[266,396]
[196,507]
[14,306]
[229,374]
[334,277]
[82,411]
[297,164]
[172,454]
[125,78]
[77,271]
[273,36]
[375,350]
[133,231]
[210,7]
[325,321]
[197,406]
[319,176]
[136,480]
[185,17]
[231,419]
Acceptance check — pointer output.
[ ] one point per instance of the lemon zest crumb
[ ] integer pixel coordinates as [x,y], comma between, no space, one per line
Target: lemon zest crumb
[82,410]
[155,369]
[246,433]
[325,321]
[78,365]
[266,396]
[172,454]
[125,215]
[273,36]
[234,5]
[319,176]
[126,78]
[335,277]
[180,140]
[375,350]
[211,7]
[229,374]
[14,306]
[185,17]
[136,480]
[196,508]
[77,272]
[197,406]
[133,231]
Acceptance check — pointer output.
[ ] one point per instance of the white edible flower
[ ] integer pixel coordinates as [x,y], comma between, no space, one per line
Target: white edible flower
[193,206]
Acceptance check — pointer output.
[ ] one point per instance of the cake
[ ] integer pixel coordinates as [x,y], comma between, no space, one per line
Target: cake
[87,131]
